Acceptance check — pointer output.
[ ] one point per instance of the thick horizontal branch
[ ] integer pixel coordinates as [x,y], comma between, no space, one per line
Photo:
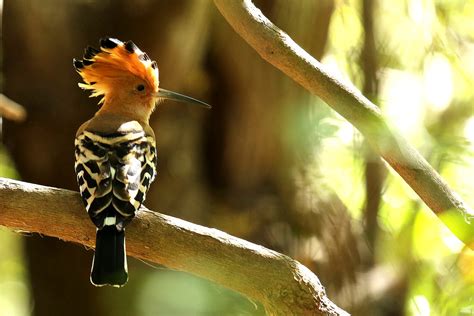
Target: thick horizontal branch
[281,284]
[277,48]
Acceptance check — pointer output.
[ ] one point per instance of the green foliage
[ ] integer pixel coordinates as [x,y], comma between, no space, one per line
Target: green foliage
[426,71]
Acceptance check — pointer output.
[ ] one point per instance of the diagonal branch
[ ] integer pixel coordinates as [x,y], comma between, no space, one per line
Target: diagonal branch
[277,48]
[281,284]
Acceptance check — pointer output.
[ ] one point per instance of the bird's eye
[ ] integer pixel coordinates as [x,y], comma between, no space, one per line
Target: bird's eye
[140,87]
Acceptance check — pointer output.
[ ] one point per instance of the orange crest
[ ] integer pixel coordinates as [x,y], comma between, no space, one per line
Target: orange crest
[115,59]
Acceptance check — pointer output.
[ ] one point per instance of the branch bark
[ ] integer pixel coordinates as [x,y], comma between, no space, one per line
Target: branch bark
[281,284]
[277,48]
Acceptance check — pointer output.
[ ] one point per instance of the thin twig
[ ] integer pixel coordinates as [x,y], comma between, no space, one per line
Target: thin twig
[11,110]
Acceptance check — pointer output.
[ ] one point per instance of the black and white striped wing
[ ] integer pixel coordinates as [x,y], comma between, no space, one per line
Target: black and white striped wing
[114,173]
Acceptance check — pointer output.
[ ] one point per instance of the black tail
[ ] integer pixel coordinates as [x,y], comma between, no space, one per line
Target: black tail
[109,266]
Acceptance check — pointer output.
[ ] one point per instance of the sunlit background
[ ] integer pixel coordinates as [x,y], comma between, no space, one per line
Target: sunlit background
[270,163]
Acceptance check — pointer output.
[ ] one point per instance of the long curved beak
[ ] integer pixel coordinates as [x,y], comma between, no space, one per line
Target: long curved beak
[170,95]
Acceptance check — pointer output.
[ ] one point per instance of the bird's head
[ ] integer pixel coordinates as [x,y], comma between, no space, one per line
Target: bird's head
[124,76]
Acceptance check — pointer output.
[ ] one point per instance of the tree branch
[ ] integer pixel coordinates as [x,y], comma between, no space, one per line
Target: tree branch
[281,284]
[277,48]
[11,110]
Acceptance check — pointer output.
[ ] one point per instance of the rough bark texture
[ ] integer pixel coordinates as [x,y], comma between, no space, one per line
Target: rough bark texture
[281,284]
[280,50]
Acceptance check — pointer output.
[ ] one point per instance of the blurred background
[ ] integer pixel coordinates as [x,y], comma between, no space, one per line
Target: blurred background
[269,163]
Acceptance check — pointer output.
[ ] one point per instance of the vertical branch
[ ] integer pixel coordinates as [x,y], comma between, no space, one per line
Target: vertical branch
[374,170]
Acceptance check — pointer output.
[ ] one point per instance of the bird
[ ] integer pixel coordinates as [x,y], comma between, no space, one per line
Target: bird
[115,150]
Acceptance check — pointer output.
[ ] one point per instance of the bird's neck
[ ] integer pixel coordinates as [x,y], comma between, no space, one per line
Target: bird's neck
[134,111]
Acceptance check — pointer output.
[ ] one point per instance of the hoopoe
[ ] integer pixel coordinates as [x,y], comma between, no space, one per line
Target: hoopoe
[115,151]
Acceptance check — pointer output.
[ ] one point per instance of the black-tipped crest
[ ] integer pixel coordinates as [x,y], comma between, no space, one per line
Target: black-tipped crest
[144,57]
[117,59]
[77,64]
[90,52]
[114,59]
[87,62]
[130,47]
[109,43]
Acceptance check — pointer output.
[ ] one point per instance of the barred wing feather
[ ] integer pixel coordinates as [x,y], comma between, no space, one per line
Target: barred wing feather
[114,173]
